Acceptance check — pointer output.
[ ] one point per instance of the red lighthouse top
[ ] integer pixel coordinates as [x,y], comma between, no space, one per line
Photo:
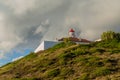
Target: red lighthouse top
[71,30]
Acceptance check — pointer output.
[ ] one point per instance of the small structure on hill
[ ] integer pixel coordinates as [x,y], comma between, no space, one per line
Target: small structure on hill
[45,45]
[98,40]
[72,37]
[71,33]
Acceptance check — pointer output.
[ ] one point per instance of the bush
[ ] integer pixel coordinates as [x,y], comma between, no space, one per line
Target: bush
[110,35]
[109,44]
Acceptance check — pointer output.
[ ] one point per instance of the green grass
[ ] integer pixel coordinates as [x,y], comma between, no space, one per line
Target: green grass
[67,61]
[66,71]
[53,72]
[101,71]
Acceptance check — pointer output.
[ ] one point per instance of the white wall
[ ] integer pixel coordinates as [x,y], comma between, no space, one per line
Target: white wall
[45,45]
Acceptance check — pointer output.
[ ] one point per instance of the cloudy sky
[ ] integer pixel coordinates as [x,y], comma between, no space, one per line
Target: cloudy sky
[25,23]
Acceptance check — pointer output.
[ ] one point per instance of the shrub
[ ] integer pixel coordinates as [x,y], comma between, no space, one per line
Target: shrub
[109,44]
[110,35]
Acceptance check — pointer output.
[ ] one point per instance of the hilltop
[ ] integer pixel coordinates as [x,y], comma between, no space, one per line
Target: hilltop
[69,61]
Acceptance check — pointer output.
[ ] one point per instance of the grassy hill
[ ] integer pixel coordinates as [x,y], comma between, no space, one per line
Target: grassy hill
[68,61]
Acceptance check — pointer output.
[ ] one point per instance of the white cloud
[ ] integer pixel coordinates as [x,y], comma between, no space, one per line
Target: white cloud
[16,23]
[9,44]
[8,38]
[39,30]
[94,16]
[2,55]
[42,28]
[22,6]
[33,20]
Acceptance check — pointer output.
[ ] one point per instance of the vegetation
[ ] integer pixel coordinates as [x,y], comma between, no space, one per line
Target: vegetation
[110,35]
[68,61]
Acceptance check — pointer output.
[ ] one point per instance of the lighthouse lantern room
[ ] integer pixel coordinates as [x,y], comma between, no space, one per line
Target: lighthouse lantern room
[71,33]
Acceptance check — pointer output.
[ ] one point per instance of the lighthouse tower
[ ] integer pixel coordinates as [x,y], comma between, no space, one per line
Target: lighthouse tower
[71,33]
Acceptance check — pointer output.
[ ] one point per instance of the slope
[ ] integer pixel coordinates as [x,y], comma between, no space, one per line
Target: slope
[68,61]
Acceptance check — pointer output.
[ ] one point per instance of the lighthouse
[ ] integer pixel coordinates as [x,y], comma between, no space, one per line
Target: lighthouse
[72,37]
[72,33]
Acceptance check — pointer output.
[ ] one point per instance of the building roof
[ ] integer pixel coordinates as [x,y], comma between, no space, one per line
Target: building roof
[85,40]
[74,39]
[71,30]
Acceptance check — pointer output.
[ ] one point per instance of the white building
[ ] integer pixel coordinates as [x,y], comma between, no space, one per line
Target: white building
[45,45]
[98,40]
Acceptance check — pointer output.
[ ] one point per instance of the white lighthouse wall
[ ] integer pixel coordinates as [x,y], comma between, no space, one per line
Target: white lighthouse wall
[40,47]
[45,45]
[71,34]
